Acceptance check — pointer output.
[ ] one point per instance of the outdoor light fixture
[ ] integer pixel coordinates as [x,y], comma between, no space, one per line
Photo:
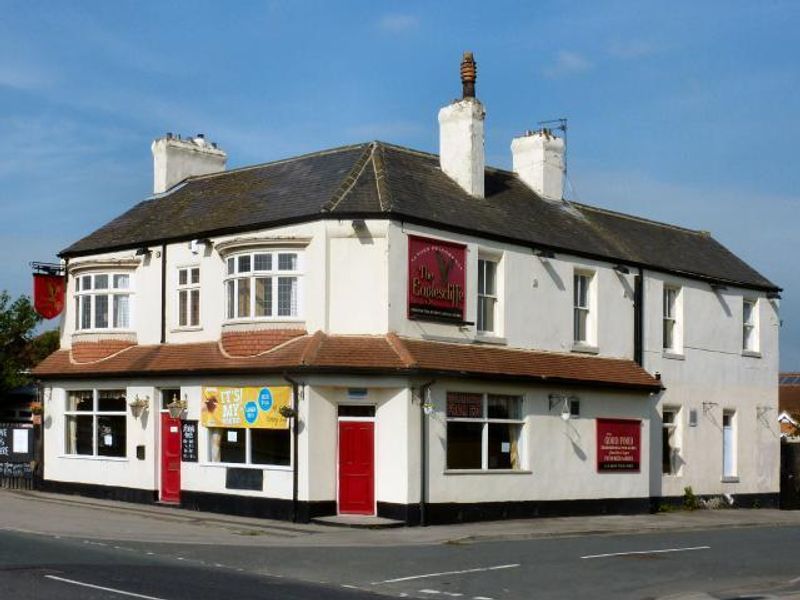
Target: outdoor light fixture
[139,405]
[359,225]
[287,412]
[622,269]
[143,251]
[176,407]
[718,287]
[544,253]
[570,406]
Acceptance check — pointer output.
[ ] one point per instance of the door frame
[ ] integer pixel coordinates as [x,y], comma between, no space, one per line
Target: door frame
[374,455]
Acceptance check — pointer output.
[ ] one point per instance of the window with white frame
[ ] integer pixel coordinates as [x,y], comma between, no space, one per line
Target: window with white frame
[670,441]
[103,301]
[670,319]
[729,444]
[95,423]
[189,297]
[250,446]
[749,325]
[487,295]
[264,285]
[484,431]
[582,289]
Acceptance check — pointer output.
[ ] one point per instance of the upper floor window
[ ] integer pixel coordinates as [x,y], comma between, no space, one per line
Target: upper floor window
[263,285]
[487,295]
[670,319]
[103,301]
[582,308]
[750,325]
[189,297]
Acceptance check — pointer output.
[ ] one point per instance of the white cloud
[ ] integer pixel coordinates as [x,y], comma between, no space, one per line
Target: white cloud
[631,49]
[567,63]
[398,23]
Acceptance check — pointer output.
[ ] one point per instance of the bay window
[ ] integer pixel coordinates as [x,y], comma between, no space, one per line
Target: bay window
[263,285]
[484,431]
[103,301]
[95,423]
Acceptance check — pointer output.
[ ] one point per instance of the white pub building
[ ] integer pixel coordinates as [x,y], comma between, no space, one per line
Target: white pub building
[375,330]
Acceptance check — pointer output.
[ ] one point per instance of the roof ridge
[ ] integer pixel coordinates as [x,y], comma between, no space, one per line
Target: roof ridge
[402,351]
[350,179]
[416,152]
[264,164]
[312,347]
[616,213]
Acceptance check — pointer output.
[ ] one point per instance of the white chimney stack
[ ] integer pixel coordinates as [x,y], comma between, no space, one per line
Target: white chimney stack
[461,152]
[538,160]
[175,159]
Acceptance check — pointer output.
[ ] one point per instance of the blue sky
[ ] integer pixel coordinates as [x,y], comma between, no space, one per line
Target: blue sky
[681,113]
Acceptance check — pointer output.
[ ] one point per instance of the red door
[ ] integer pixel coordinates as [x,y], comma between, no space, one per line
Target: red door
[356,467]
[170,459]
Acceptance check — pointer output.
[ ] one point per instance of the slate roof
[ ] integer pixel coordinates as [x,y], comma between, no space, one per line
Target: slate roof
[389,354]
[380,180]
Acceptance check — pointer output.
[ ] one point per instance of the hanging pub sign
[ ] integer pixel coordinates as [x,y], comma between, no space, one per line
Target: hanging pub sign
[48,294]
[245,407]
[436,280]
[618,445]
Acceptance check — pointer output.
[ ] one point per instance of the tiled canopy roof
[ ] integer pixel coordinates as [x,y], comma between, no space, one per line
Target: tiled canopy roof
[378,180]
[390,354]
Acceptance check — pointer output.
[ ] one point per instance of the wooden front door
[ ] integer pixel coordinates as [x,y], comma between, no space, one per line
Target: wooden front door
[170,459]
[357,467]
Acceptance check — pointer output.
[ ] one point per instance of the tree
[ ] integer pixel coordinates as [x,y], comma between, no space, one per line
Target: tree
[19,349]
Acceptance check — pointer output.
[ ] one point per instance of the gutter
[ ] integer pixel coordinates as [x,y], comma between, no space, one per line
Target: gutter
[295,452]
[638,318]
[163,293]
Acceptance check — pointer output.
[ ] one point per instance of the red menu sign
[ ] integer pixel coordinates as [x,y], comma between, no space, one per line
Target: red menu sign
[618,445]
[436,280]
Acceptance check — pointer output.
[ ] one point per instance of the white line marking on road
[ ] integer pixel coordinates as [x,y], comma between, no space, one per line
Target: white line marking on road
[478,570]
[100,587]
[430,592]
[648,552]
[482,598]
[795,580]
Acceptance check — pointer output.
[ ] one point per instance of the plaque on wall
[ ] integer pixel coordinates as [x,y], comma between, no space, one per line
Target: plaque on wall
[188,441]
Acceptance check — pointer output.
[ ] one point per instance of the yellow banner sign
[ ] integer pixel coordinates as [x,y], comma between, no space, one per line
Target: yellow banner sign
[248,407]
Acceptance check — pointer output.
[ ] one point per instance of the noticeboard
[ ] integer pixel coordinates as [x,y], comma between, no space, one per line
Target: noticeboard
[618,445]
[188,441]
[16,444]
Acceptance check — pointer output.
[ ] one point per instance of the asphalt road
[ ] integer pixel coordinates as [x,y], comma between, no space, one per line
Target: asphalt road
[732,563]
[40,567]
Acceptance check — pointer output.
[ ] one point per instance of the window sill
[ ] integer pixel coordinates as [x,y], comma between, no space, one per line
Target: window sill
[487,472]
[256,320]
[185,329]
[106,330]
[751,354]
[119,459]
[287,469]
[730,479]
[488,338]
[673,355]
[584,348]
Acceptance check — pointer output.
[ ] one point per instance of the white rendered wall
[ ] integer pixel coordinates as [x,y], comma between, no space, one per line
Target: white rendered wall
[559,460]
[710,374]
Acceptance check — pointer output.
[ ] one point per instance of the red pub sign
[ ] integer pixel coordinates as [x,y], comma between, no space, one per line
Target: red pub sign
[436,280]
[48,294]
[618,445]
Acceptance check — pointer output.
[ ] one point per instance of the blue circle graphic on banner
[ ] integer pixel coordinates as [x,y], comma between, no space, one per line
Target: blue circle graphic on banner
[265,399]
[250,412]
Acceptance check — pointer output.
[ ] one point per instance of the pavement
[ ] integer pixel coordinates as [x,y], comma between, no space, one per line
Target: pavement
[76,516]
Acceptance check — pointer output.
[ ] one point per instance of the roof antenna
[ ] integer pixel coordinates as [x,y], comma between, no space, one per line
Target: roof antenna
[561,126]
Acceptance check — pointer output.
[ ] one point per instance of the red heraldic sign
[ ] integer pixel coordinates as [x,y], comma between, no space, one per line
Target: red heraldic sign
[48,294]
[618,445]
[436,280]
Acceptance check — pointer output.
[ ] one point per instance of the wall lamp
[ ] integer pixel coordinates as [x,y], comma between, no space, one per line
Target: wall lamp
[570,405]
[359,225]
[143,251]
[139,405]
[718,287]
[544,253]
[176,407]
[622,269]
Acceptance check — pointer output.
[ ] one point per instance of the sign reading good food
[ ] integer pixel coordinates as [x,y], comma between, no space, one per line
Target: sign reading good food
[618,445]
[247,407]
[436,280]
